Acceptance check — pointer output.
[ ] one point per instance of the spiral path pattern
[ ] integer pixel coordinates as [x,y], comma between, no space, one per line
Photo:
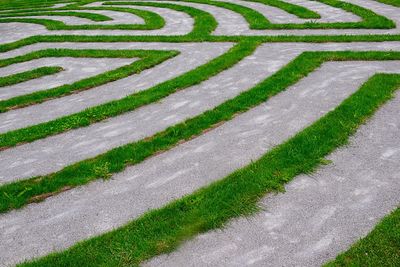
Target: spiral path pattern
[129,127]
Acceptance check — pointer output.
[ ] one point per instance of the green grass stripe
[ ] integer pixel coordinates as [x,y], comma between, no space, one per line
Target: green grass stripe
[204,23]
[299,11]
[21,4]
[254,18]
[152,20]
[162,230]
[391,2]
[148,59]
[90,16]
[381,247]
[19,193]
[128,103]
[28,75]
[193,38]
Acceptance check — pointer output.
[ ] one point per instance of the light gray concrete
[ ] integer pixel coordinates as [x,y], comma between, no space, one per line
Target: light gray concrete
[89,210]
[319,215]
[74,69]
[191,56]
[11,32]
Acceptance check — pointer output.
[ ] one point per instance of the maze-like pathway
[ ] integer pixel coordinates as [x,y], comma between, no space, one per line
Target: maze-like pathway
[149,123]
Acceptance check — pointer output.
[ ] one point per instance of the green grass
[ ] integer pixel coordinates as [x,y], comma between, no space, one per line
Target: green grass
[255,19]
[28,75]
[128,103]
[200,38]
[162,230]
[381,247]
[21,4]
[90,16]
[19,193]
[204,23]
[391,2]
[152,20]
[297,10]
[148,59]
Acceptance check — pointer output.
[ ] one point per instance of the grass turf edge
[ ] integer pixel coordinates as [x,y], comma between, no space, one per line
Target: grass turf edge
[28,75]
[162,230]
[381,247]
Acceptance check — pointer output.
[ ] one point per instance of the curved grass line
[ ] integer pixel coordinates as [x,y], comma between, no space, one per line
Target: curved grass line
[395,3]
[148,59]
[255,19]
[299,11]
[28,75]
[90,16]
[152,20]
[22,4]
[208,38]
[204,23]
[164,229]
[381,247]
[19,193]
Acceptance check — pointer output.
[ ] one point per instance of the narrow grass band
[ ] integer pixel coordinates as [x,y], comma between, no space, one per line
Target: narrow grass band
[149,58]
[28,75]
[381,247]
[162,230]
[19,193]
[296,10]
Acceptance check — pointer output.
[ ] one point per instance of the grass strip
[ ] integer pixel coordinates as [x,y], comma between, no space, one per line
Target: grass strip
[17,194]
[162,230]
[152,20]
[21,4]
[90,16]
[391,2]
[204,23]
[149,58]
[254,18]
[299,11]
[206,38]
[28,75]
[128,103]
[381,247]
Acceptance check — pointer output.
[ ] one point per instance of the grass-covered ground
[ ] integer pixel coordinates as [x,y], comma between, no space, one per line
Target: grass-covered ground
[163,230]
[381,247]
